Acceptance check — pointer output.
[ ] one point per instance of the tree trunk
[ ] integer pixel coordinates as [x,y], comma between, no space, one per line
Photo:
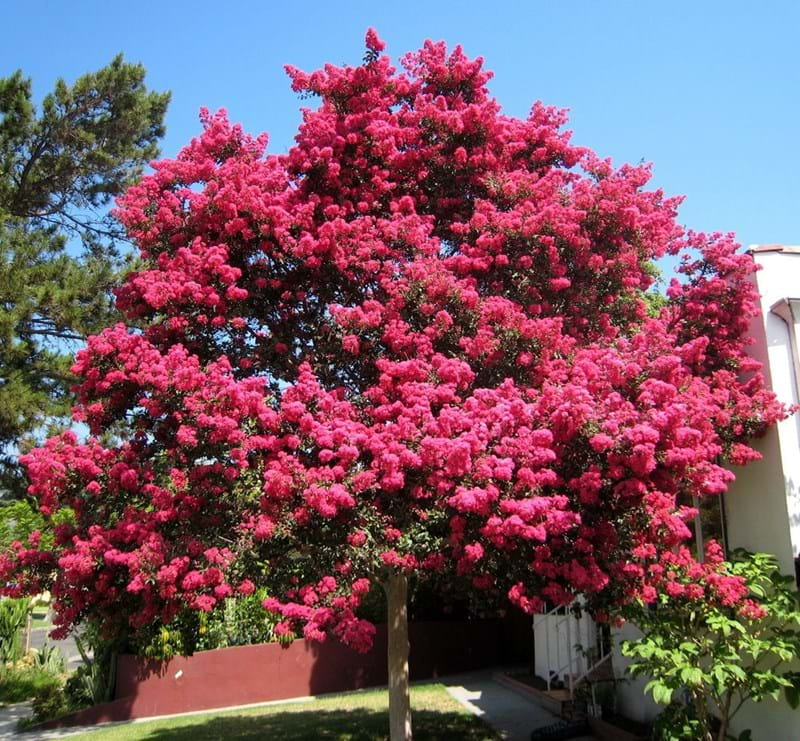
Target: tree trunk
[396,588]
[725,717]
[701,708]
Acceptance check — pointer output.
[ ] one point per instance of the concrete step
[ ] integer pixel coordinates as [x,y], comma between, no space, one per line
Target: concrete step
[557,702]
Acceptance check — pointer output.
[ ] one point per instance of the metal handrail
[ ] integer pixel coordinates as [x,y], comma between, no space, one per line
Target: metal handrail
[578,665]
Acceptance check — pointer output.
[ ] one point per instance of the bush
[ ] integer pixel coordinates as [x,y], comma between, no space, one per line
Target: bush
[38,676]
[723,633]
[246,621]
[13,614]
[94,679]
[23,681]
[50,702]
[677,722]
[242,622]
[85,686]
[18,520]
[49,659]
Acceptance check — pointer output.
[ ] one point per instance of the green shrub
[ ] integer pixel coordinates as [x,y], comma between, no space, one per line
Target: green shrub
[718,652]
[49,659]
[677,722]
[23,682]
[13,615]
[93,681]
[242,621]
[18,519]
[247,622]
[85,686]
[50,702]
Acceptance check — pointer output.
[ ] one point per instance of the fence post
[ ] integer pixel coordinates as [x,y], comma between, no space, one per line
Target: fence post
[570,649]
[28,628]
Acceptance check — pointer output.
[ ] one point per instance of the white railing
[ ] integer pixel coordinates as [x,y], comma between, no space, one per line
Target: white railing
[574,646]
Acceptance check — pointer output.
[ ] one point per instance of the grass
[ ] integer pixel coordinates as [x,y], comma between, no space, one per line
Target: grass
[356,716]
[39,618]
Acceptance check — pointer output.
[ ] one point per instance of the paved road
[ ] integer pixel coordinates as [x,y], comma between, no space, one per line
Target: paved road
[67,647]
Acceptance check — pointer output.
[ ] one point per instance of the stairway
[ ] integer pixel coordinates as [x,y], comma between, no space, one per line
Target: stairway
[570,649]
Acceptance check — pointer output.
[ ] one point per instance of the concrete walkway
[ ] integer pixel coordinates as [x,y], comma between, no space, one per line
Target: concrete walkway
[507,711]
[11,714]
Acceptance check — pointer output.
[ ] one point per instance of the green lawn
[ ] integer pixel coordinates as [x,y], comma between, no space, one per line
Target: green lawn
[356,716]
[39,618]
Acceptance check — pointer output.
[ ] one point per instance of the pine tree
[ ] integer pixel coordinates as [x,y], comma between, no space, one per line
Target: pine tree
[59,249]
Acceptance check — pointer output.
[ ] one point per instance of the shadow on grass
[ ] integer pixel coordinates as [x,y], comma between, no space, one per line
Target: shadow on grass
[331,725]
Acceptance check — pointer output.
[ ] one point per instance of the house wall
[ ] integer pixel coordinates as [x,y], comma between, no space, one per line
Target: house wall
[763,504]
[631,700]
[762,507]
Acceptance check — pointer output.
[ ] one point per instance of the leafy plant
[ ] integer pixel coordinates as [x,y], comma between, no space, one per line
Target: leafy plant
[86,686]
[50,702]
[725,635]
[13,614]
[247,622]
[23,681]
[93,681]
[49,659]
[677,722]
[243,621]
[18,519]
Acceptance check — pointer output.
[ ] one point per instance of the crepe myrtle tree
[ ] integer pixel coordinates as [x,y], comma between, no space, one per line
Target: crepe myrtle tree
[418,345]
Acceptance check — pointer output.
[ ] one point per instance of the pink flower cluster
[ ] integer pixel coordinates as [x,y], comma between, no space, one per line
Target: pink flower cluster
[679,575]
[419,341]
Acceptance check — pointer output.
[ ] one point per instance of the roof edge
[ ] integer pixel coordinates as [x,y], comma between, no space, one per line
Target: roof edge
[789,249]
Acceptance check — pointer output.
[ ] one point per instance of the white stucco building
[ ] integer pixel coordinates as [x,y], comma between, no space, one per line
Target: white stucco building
[763,505]
[761,510]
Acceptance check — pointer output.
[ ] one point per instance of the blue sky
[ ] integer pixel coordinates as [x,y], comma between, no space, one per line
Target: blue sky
[707,91]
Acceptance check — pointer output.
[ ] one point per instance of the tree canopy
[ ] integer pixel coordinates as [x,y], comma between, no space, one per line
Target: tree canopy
[59,168]
[416,346]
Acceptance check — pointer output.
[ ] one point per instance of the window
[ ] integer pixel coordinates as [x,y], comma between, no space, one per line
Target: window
[709,523]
